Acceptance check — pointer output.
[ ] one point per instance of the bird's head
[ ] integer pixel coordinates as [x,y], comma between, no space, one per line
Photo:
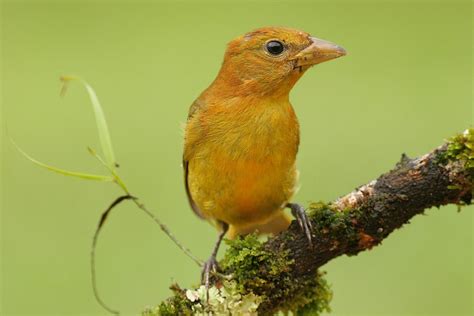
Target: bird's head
[270,60]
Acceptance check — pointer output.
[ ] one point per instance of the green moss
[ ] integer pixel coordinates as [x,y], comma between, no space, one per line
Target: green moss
[461,148]
[338,224]
[178,304]
[317,299]
[316,207]
[307,297]
[247,258]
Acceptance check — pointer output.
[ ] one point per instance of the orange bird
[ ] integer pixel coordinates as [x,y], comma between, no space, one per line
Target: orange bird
[242,135]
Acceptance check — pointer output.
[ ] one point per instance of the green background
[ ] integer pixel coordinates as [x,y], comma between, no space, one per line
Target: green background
[405,85]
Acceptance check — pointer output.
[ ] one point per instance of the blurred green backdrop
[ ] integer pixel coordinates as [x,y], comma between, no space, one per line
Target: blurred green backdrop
[404,87]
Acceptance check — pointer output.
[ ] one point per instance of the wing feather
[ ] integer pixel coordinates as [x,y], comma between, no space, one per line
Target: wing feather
[192,203]
[193,110]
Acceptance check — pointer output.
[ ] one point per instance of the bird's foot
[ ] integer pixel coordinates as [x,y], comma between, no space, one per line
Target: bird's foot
[210,266]
[303,221]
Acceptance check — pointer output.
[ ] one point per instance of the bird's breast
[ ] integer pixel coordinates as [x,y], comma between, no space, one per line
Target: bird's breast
[244,167]
[256,132]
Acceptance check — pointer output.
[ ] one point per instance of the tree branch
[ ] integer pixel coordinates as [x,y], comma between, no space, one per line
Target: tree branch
[281,274]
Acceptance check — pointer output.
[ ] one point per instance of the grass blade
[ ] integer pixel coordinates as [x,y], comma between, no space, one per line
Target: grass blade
[64,172]
[104,135]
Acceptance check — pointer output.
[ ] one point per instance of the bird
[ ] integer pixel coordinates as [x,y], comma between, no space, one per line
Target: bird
[242,136]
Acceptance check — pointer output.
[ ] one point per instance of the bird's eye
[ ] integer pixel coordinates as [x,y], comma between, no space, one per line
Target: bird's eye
[275,47]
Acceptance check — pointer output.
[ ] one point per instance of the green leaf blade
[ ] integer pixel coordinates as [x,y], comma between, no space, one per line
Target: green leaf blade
[81,175]
[102,127]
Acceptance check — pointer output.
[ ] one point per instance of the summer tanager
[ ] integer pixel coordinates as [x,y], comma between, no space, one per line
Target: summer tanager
[242,135]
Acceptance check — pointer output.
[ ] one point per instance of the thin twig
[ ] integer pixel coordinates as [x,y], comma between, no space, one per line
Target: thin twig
[102,220]
[140,205]
[168,233]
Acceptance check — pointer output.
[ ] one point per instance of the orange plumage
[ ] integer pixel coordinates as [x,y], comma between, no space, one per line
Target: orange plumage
[242,134]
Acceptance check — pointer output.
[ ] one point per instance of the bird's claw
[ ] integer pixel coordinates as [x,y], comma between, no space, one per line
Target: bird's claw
[303,221]
[209,267]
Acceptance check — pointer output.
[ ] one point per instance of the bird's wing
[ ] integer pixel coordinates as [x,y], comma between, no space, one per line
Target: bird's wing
[192,203]
[187,146]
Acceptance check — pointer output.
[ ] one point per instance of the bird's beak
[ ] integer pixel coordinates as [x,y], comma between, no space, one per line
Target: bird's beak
[319,51]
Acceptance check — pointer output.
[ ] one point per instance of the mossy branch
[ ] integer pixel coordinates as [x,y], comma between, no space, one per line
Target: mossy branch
[281,274]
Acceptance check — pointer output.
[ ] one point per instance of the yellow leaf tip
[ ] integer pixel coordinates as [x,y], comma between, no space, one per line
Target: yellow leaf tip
[67,78]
